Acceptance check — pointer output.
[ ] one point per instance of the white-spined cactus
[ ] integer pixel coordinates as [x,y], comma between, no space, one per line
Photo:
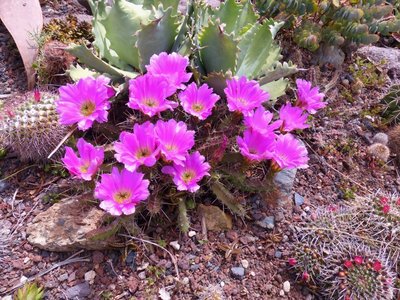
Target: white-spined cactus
[32,129]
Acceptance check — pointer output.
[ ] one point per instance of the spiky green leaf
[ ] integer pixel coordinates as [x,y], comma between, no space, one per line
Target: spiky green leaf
[276,88]
[278,71]
[257,49]
[217,49]
[77,72]
[156,37]
[87,57]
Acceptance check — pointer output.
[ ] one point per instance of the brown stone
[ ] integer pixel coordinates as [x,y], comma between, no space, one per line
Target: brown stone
[216,219]
[66,226]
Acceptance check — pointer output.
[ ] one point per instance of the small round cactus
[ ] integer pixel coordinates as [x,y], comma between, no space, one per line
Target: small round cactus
[32,129]
[379,151]
[381,138]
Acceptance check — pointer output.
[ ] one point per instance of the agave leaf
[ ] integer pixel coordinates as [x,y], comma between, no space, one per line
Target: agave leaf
[115,31]
[77,72]
[227,198]
[217,80]
[236,16]
[217,50]
[149,4]
[87,57]
[276,88]
[257,49]
[156,37]
[278,71]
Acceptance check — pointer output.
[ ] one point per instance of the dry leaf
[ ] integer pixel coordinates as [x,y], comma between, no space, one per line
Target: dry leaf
[23,19]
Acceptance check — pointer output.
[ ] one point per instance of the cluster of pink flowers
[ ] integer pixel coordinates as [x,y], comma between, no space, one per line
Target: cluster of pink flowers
[260,140]
[170,142]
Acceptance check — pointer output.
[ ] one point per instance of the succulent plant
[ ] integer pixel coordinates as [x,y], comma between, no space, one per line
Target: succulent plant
[30,291]
[32,129]
[330,24]
[391,102]
[222,42]
[379,151]
[394,141]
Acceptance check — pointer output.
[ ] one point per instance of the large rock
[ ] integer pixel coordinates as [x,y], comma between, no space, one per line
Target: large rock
[284,180]
[389,56]
[215,218]
[66,226]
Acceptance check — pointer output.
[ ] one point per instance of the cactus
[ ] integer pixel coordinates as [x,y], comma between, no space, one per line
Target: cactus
[394,141]
[222,42]
[30,291]
[391,103]
[379,151]
[325,24]
[350,252]
[32,129]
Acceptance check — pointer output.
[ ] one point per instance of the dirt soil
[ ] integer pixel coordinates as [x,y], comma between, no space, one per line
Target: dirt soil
[340,167]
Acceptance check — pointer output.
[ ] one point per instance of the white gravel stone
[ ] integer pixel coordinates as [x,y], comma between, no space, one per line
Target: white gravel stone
[286,286]
[245,263]
[281,293]
[175,245]
[191,233]
[90,276]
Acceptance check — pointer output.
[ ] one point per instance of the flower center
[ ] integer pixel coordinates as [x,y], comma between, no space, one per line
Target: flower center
[143,152]
[253,151]
[88,108]
[122,196]
[84,168]
[171,147]
[197,107]
[150,102]
[188,176]
[242,100]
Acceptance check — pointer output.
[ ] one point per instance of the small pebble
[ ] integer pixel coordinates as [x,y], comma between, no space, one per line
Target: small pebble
[26,259]
[23,279]
[281,293]
[63,277]
[191,233]
[175,245]
[185,280]
[307,209]
[298,199]
[90,276]
[222,284]
[268,222]
[237,272]
[278,254]
[142,275]
[286,286]
[252,273]
[245,263]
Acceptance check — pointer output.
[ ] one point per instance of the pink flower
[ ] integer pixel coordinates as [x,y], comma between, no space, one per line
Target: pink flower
[187,176]
[255,146]
[36,94]
[148,94]
[308,98]
[244,95]
[289,153]
[292,261]
[89,160]
[305,276]
[377,266]
[259,120]
[198,102]
[398,201]
[137,148]
[121,192]
[84,102]
[171,67]
[348,264]
[174,140]
[386,209]
[383,200]
[358,260]
[292,117]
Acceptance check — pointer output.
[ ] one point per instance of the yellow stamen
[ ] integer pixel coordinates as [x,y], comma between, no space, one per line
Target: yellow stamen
[122,196]
[88,108]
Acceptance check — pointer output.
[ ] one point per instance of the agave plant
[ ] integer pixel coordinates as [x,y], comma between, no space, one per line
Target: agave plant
[222,42]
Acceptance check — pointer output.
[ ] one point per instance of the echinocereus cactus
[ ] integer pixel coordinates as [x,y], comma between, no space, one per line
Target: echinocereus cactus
[32,129]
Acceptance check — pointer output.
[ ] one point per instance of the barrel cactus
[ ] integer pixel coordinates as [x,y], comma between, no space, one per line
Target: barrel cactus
[32,129]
